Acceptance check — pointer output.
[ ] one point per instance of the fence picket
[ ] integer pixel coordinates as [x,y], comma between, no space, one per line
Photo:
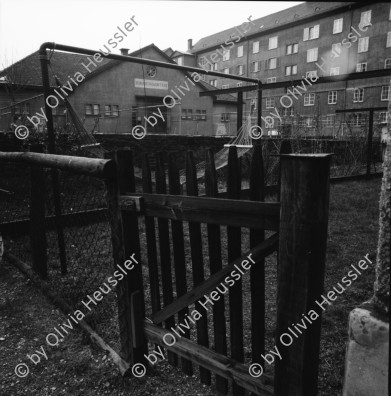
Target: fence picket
[179,252]
[234,251]
[132,245]
[214,245]
[164,245]
[150,234]
[197,261]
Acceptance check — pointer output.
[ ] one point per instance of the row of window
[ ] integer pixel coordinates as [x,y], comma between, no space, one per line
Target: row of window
[290,70]
[187,114]
[358,96]
[94,109]
[309,33]
[23,108]
[312,56]
[355,119]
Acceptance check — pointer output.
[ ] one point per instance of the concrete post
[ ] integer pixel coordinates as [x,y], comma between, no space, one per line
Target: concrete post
[367,357]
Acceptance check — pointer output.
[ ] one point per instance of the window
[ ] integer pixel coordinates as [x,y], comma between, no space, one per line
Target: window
[334,71]
[271,63]
[224,117]
[239,84]
[187,114]
[330,120]
[290,70]
[358,95]
[107,110]
[226,55]
[337,28]
[388,44]
[336,50]
[332,97]
[311,33]
[25,109]
[358,119]
[115,110]
[202,61]
[292,49]
[387,64]
[270,102]
[309,99]
[255,47]
[385,92]
[96,109]
[363,44]
[312,55]
[203,115]
[225,86]
[311,73]
[213,82]
[240,51]
[255,67]
[365,19]
[383,118]
[240,70]
[271,80]
[226,70]
[197,116]
[180,60]
[214,66]
[288,111]
[273,42]
[88,109]
[361,67]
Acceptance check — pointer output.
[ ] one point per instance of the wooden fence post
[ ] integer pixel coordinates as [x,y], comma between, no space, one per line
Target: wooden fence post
[38,241]
[132,246]
[302,253]
[117,239]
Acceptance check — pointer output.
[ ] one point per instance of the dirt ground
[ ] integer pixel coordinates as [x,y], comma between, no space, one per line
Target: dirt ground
[74,367]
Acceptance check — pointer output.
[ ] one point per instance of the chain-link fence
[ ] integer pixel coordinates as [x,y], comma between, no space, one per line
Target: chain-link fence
[76,236]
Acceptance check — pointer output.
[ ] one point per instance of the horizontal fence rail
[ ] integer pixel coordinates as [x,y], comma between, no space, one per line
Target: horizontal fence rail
[236,213]
[84,166]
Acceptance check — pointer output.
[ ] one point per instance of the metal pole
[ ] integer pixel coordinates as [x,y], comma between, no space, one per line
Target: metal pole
[239,121]
[369,144]
[52,150]
[259,106]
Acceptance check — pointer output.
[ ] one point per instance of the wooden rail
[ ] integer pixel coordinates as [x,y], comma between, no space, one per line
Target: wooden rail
[209,359]
[86,166]
[259,252]
[232,212]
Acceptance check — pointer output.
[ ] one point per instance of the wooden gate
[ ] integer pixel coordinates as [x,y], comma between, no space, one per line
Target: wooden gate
[296,227]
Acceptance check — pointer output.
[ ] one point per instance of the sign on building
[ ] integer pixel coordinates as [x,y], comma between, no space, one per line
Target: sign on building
[152,84]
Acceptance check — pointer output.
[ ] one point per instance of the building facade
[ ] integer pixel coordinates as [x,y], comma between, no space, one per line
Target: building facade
[111,96]
[305,42]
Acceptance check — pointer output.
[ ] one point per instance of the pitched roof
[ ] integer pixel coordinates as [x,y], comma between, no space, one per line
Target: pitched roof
[27,71]
[64,64]
[291,14]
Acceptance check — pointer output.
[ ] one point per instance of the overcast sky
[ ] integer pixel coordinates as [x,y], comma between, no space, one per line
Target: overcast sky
[26,24]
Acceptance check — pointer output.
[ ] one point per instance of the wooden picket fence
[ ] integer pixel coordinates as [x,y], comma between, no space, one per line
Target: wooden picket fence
[299,230]
[295,227]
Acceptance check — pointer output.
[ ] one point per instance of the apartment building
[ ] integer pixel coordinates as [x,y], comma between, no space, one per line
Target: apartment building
[307,41]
